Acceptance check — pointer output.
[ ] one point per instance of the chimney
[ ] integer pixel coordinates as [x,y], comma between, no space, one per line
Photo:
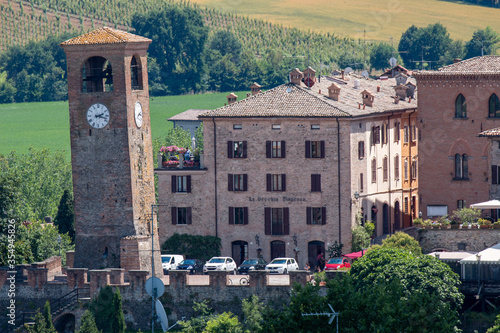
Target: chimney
[368,98]
[401,79]
[343,73]
[248,95]
[411,90]
[378,88]
[334,91]
[255,88]
[231,98]
[456,60]
[401,91]
[296,76]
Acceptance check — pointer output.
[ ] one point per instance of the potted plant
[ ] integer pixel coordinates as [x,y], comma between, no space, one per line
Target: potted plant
[320,278]
[496,225]
[484,223]
[196,156]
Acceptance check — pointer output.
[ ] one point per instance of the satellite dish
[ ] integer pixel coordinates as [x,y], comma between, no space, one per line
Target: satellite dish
[348,70]
[162,316]
[393,62]
[154,287]
[365,74]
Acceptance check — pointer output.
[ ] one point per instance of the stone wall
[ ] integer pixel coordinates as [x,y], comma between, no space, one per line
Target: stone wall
[473,240]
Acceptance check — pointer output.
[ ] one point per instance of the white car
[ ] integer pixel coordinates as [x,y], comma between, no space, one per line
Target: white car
[282,266]
[220,264]
[170,261]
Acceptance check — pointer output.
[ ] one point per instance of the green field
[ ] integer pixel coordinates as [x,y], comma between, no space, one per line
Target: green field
[381,19]
[46,125]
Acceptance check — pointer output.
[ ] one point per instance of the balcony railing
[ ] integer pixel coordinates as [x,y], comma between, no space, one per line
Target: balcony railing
[180,163]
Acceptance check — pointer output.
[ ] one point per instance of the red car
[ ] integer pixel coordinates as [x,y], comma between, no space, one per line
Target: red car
[336,263]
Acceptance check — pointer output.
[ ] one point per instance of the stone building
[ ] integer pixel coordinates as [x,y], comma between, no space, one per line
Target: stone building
[188,120]
[284,173]
[456,103]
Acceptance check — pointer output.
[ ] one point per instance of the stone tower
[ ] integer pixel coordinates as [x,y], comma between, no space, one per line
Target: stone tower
[111,149]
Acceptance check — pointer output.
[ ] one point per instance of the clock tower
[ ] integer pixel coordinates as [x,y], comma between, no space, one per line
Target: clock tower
[111,150]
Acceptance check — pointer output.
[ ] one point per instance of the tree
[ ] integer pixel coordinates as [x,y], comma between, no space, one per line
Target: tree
[360,238]
[225,322]
[225,42]
[87,324]
[496,327]
[483,42]
[466,216]
[252,314]
[380,55]
[179,37]
[401,240]
[65,218]
[102,308]
[40,325]
[202,314]
[48,316]
[117,319]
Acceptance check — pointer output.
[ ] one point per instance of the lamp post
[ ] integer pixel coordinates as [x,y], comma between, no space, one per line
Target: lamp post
[59,240]
[356,195]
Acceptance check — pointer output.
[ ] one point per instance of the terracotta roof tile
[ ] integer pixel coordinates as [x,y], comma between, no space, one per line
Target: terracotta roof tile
[489,64]
[491,133]
[105,35]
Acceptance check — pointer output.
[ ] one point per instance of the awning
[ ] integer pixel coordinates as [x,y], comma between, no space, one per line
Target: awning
[355,255]
[489,256]
[492,204]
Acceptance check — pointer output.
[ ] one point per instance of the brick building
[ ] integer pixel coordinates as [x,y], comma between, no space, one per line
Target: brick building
[456,103]
[287,169]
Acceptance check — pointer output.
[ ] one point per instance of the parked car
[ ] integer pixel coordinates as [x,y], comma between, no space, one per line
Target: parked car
[220,264]
[336,263]
[282,266]
[170,261]
[252,264]
[192,265]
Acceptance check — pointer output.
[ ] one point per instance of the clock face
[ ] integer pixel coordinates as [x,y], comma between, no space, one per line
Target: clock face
[98,115]
[138,114]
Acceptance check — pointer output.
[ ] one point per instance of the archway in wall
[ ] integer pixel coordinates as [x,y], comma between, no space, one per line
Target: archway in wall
[313,249]
[385,219]
[397,216]
[239,251]
[278,249]
[65,323]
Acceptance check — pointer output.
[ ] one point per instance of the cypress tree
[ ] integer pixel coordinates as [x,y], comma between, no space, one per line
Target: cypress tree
[48,318]
[117,319]
[65,218]
[88,324]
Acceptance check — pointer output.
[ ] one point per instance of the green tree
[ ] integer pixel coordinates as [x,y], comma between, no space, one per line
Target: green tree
[48,316]
[40,325]
[117,319]
[483,42]
[65,218]
[225,322]
[496,327]
[360,238]
[87,324]
[197,323]
[198,135]
[380,55]
[466,216]
[401,240]
[252,314]
[193,246]
[102,309]
[179,37]
[225,42]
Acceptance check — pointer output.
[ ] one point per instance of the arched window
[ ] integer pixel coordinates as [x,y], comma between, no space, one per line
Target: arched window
[374,171]
[97,75]
[385,168]
[396,167]
[406,168]
[494,107]
[461,166]
[460,107]
[414,169]
[136,73]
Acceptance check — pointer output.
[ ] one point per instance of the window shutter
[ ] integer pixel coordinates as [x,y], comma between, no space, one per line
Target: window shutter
[230,149]
[245,182]
[286,221]
[174,215]
[267,219]
[189,215]
[322,149]
[309,215]
[174,184]
[465,167]
[323,215]
[268,149]
[269,182]
[308,149]
[188,184]
[318,183]
[494,174]
[244,149]
[245,215]
[283,149]
[230,182]
[313,184]
[231,215]
[283,182]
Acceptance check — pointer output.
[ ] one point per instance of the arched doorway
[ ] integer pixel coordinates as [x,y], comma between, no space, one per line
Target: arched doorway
[397,216]
[313,249]
[65,323]
[240,251]
[278,249]
[385,219]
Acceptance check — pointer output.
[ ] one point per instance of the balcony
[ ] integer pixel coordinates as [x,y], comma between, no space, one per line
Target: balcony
[177,162]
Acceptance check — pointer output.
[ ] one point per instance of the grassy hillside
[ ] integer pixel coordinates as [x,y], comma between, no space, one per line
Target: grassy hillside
[47,124]
[380,18]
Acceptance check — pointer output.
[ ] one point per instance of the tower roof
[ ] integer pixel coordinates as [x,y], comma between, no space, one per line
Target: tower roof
[106,35]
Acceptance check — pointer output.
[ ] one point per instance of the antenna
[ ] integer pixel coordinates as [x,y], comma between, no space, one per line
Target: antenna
[331,315]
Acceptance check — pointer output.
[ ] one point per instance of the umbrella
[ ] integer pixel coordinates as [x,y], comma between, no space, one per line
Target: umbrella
[354,255]
[492,204]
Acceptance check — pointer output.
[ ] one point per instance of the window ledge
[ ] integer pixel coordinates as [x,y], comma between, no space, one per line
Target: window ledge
[493,118]
[461,118]
[460,179]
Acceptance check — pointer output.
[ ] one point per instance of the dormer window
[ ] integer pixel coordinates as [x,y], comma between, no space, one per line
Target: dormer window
[97,75]
[136,73]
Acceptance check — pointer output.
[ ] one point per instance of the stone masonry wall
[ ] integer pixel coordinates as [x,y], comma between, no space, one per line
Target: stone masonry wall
[474,240]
